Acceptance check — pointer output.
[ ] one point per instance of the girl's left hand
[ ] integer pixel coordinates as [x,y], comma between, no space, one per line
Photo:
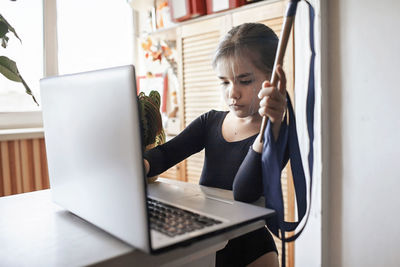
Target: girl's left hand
[273,99]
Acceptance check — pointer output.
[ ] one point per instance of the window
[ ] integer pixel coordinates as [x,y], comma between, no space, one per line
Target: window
[93,34]
[27,19]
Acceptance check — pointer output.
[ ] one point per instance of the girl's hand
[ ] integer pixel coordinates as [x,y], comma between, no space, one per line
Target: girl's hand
[146,166]
[147,169]
[273,101]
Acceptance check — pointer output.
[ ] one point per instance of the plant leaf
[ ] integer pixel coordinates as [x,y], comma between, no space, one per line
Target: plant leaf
[4,41]
[28,90]
[10,28]
[3,32]
[151,118]
[3,29]
[9,69]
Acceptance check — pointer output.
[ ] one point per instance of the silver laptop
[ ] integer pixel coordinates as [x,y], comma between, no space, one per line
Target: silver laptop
[94,151]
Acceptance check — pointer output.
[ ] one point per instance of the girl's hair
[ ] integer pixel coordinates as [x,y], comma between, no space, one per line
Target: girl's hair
[252,40]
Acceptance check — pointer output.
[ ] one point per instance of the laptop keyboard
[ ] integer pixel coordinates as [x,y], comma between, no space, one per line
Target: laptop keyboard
[173,221]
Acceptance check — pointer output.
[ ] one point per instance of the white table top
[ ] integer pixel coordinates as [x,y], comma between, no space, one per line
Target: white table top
[36,232]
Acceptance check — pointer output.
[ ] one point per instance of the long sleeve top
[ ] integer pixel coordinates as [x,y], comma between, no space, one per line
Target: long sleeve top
[227,165]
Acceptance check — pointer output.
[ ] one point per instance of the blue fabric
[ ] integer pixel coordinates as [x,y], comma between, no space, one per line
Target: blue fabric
[272,157]
[271,172]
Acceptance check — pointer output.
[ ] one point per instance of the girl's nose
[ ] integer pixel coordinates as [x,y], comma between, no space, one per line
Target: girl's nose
[234,91]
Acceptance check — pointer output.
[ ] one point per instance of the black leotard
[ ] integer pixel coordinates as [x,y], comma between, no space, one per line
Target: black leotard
[227,165]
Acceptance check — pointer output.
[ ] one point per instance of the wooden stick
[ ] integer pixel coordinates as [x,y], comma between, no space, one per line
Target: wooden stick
[280,53]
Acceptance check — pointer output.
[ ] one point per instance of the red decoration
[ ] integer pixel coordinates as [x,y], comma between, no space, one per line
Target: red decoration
[214,6]
[186,9]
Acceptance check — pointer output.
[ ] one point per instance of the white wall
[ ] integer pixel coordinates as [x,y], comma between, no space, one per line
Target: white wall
[361,134]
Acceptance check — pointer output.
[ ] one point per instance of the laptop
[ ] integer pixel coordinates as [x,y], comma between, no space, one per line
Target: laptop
[95,160]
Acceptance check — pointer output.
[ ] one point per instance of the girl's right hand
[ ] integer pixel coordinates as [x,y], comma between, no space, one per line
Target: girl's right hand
[273,99]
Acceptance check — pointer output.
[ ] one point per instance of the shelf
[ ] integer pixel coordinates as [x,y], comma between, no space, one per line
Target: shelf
[170,33]
[164,33]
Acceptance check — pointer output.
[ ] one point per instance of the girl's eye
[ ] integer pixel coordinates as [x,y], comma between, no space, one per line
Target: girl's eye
[224,83]
[246,82]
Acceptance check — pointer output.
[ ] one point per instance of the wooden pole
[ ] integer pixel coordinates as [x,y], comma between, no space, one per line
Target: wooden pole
[280,53]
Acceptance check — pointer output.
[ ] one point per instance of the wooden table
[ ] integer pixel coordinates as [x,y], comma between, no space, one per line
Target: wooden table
[36,232]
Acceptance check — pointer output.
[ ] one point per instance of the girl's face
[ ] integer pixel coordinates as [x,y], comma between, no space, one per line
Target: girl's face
[240,83]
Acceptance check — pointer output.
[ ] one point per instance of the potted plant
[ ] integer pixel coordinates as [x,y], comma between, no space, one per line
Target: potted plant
[8,67]
[152,129]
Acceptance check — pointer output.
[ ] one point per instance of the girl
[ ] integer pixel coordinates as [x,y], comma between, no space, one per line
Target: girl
[243,62]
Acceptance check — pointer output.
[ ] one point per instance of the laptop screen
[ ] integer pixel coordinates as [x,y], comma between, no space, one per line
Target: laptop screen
[94,151]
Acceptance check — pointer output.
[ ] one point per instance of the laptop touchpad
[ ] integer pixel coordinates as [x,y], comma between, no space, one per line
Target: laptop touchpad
[171,192]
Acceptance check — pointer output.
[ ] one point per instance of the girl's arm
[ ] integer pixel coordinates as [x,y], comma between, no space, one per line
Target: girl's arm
[188,142]
[248,185]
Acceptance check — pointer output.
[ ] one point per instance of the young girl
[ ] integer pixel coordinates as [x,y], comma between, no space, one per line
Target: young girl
[243,62]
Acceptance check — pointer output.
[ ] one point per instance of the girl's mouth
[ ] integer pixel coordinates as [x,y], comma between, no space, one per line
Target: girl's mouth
[236,106]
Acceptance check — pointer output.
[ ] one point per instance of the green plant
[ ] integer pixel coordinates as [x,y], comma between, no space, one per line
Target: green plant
[8,67]
[153,133]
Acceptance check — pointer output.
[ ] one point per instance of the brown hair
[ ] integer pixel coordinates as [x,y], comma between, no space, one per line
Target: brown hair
[253,40]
